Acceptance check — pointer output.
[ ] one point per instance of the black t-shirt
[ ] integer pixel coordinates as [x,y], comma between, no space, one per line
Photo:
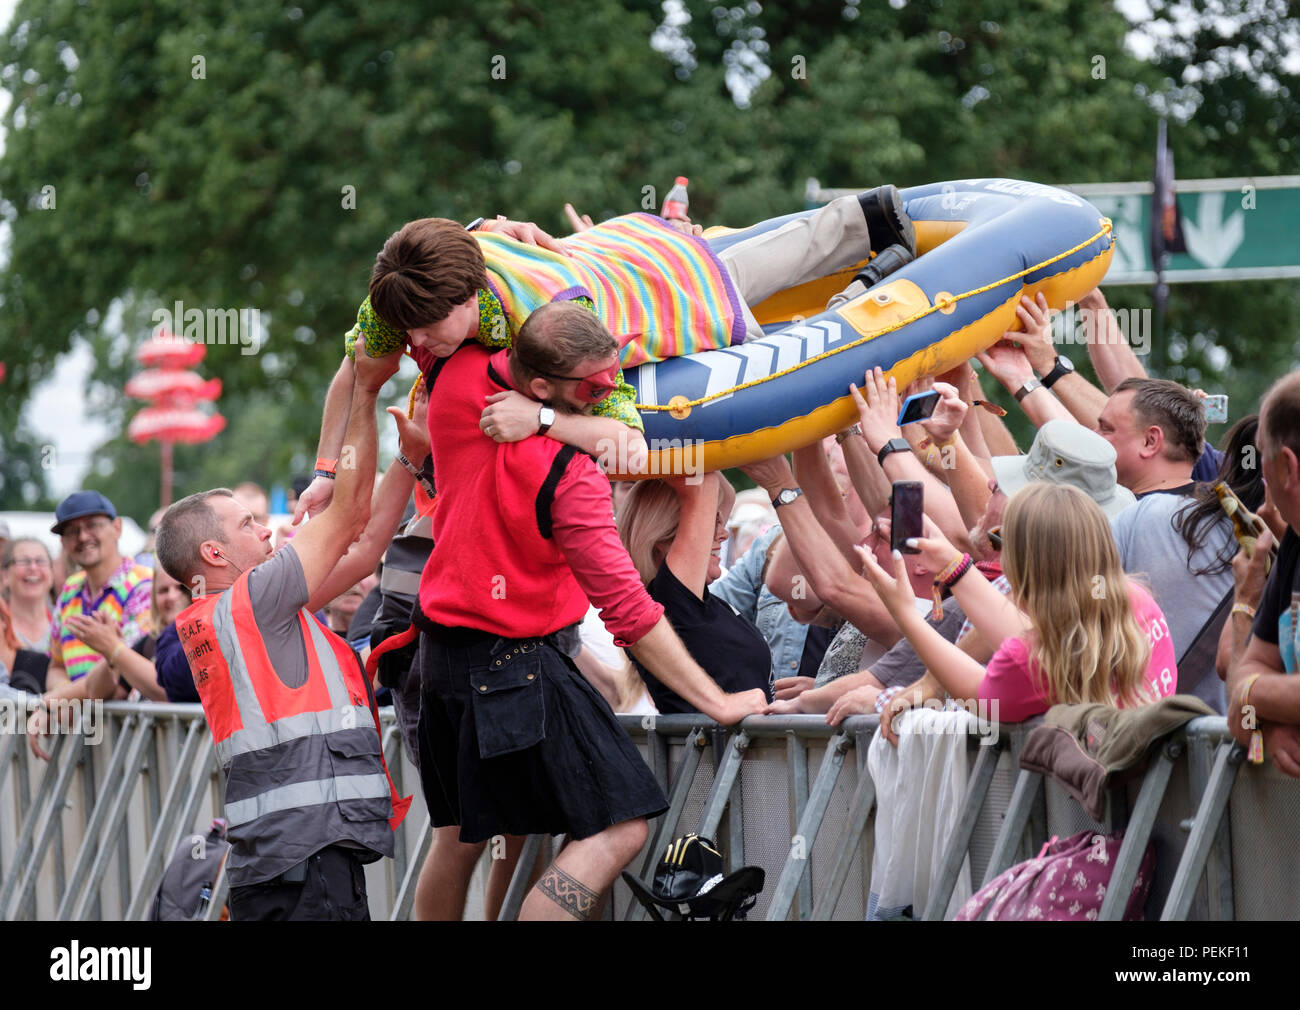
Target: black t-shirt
[1273,623]
[728,647]
[29,671]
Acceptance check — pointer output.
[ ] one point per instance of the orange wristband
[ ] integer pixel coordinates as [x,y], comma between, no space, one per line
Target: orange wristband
[328,465]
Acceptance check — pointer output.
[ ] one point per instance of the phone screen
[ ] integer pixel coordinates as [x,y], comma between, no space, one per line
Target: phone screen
[918,407]
[907,510]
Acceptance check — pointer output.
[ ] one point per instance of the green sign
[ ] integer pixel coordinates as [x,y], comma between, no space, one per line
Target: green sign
[1235,229]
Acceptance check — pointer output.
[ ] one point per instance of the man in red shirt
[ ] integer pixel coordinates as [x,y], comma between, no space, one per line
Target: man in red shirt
[513,740]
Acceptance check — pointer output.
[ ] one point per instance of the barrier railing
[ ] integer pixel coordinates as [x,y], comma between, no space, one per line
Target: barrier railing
[88,834]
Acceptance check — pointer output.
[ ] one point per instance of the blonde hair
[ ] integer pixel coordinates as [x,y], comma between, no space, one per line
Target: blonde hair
[1060,557]
[647,522]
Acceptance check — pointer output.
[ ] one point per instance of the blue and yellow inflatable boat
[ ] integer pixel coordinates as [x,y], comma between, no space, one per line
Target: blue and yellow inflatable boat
[981,244]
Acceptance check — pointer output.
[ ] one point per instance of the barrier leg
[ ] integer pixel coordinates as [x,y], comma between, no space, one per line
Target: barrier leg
[116,815]
[723,781]
[795,871]
[1029,785]
[864,798]
[1141,820]
[1205,827]
[405,898]
[694,748]
[49,801]
[977,790]
[155,860]
[91,842]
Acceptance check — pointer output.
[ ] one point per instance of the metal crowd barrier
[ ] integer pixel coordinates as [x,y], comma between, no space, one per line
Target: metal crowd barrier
[88,834]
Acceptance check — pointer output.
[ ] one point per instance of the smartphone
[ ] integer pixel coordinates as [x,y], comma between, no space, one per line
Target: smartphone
[907,509]
[1216,408]
[918,407]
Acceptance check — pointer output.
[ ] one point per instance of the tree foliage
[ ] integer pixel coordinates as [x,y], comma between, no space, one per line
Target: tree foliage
[204,152]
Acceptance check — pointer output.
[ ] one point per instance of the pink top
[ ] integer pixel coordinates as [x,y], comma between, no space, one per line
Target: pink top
[1017,685]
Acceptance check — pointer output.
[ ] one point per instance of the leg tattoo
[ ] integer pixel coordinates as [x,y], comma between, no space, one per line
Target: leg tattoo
[569,893]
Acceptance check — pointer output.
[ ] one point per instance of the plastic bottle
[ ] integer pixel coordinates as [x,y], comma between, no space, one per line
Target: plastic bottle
[676,202]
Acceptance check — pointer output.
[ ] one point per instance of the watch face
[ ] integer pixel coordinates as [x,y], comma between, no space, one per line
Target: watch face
[786,496]
[1065,363]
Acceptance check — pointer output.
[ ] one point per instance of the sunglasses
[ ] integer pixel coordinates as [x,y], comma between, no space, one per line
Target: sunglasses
[591,388]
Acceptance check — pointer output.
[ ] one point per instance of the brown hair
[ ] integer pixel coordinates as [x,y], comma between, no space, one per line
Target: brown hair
[183,529]
[1175,409]
[556,339]
[424,271]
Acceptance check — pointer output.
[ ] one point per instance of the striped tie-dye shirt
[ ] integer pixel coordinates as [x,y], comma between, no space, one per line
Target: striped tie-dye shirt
[660,293]
[125,597]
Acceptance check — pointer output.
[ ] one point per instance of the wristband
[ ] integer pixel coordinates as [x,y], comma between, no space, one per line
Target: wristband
[473,225]
[946,579]
[112,656]
[328,474]
[425,478]
[1244,608]
[328,465]
[1255,753]
[1027,388]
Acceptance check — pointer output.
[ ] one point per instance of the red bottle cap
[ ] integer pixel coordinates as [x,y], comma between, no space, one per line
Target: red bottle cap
[681,180]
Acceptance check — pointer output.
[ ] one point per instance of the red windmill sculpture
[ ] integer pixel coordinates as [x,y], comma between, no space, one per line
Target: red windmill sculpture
[173,393]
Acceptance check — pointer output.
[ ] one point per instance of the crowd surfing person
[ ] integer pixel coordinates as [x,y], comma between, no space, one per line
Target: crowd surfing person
[437,285]
[1089,633]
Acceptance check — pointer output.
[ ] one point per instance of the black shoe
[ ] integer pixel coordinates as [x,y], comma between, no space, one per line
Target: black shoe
[887,221]
[884,263]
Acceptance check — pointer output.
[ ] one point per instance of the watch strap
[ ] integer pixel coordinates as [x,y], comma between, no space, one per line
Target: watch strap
[893,445]
[1061,367]
[1027,388]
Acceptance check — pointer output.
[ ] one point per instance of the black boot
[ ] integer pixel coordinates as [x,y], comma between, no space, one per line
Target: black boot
[882,265]
[887,221]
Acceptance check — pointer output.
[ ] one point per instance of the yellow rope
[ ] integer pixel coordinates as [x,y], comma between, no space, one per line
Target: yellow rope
[942,303]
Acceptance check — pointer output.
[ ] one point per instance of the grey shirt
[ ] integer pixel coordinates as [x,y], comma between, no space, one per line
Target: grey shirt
[277,590]
[1152,550]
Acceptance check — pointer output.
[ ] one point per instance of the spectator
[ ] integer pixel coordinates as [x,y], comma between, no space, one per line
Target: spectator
[1263,702]
[1094,635]
[1183,546]
[90,528]
[674,531]
[1158,430]
[28,580]
[22,671]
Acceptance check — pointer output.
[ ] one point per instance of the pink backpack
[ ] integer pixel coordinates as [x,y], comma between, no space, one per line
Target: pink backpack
[1067,881]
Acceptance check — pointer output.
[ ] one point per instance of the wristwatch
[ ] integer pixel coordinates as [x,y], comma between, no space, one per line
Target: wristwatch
[1027,388]
[893,445]
[848,433]
[1062,366]
[545,418]
[473,225]
[786,496]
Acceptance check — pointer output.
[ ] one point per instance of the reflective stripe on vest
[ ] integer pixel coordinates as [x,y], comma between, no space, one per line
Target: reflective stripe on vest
[394,580]
[256,732]
[307,794]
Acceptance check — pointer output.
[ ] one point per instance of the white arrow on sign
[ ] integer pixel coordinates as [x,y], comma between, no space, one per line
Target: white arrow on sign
[1211,239]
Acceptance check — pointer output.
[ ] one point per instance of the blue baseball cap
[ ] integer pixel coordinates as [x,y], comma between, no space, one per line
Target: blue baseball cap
[80,504]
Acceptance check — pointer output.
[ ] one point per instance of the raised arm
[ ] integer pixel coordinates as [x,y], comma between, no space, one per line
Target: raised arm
[812,470]
[334,422]
[386,509]
[688,557]
[1011,367]
[325,539]
[1112,356]
[878,415]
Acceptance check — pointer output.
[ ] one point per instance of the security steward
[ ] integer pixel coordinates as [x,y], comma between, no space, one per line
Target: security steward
[308,796]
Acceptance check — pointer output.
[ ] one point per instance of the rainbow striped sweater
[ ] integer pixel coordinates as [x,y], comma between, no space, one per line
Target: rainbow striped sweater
[661,294]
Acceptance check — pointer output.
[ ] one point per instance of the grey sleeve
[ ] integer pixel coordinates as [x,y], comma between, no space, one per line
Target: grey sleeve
[901,666]
[277,590]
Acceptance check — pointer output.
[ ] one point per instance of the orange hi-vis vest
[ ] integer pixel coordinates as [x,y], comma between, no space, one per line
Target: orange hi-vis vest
[304,767]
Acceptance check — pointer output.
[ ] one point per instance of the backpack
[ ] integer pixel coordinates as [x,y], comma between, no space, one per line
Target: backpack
[1066,881]
[185,890]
